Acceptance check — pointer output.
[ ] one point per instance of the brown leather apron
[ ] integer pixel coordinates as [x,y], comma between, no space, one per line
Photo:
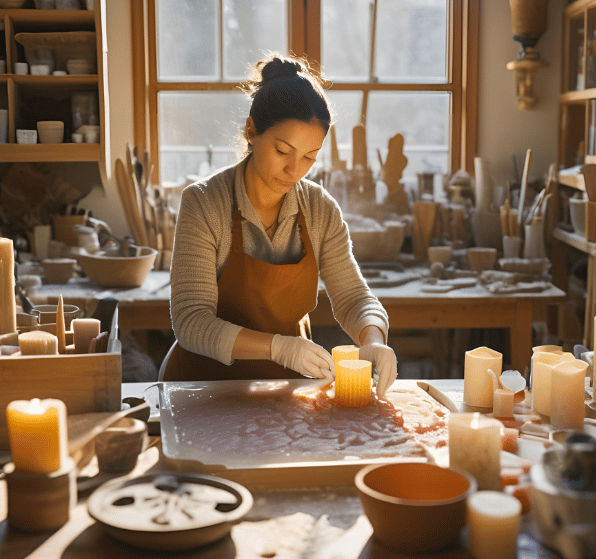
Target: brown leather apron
[273,298]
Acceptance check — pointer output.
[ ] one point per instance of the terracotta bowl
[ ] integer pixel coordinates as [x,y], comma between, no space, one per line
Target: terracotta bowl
[118,271]
[50,131]
[482,258]
[414,507]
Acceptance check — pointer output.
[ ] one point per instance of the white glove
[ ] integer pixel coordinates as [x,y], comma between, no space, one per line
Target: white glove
[302,356]
[383,359]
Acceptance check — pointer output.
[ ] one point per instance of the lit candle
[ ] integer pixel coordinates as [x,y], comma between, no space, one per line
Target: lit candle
[353,383]
[38,342]
[478,385]
[37,435]
[493,519]
[503,402]
[84,330]
[8,312]
[475,447]
[343,352]
[542,366]
[567,408]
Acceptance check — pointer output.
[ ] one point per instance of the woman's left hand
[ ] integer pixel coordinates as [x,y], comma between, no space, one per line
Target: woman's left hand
[383,358]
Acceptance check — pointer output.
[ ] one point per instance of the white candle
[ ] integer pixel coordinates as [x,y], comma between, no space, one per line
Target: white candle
[493,519]
[567,406]
[475,447]
[84,330]
[38,342]
[37,434]
[8,312]
[478,385]
[353,383]
[503,402]
[542,366]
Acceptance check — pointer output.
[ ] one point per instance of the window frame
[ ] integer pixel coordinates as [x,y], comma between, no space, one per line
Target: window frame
[461,83]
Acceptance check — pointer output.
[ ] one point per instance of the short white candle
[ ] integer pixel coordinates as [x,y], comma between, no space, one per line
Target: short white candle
[542,366]
[8,313]
[84,330]
[478,385]
[567,408]
[38,342]
[475,447]
[503,402]
[493,520]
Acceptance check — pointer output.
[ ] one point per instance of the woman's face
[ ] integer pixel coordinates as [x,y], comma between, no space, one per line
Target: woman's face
[284,153]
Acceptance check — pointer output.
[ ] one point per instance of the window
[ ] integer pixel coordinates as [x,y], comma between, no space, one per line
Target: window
[404,66]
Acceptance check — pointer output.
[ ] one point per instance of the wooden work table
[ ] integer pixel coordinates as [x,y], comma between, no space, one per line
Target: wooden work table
[148,308]
[338,509]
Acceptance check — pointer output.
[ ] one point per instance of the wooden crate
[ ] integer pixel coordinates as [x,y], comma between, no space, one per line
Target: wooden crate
[85,383]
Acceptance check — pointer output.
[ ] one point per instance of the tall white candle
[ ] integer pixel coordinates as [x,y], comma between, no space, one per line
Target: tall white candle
[83,331]
[493,520]
[478,385]
[567,408]
[542,366]
[8,312]
[475,447]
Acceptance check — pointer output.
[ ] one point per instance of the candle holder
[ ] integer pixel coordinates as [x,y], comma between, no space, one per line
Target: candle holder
[40,502]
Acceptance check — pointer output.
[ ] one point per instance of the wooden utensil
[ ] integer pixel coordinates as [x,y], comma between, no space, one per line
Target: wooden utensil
[524,187]
[128,197]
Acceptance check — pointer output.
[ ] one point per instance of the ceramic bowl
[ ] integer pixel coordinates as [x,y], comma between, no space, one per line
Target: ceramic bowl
[26,137]
[80,66]
[577,215]
[440,254]
[118,271]
[58,270]
[414,507]
[118,447]
[482,258]
[40,70]
[50,131]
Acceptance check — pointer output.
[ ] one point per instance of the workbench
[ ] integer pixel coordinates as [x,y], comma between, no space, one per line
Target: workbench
[338,507]
[148,308]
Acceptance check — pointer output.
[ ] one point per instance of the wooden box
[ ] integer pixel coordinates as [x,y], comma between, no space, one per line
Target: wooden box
[85,383]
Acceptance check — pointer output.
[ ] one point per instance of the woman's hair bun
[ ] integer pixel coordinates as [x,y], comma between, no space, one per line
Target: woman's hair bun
[278,67]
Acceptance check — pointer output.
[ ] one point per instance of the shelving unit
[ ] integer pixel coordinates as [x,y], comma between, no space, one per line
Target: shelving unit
[30,98]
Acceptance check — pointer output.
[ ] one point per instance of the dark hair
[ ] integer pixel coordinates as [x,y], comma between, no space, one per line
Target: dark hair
[285,88]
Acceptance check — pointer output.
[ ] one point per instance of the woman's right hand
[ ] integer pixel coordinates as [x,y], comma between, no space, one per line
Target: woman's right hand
[303,356]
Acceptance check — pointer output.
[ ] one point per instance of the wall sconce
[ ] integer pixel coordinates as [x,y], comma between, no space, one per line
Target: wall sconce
[528,22]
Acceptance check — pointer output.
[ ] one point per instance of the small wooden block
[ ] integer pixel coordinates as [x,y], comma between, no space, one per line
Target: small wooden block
[591,222]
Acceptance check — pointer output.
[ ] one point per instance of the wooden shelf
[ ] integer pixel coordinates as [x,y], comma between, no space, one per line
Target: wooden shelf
[574,181]
[44,20]
[574,240]
[49,152]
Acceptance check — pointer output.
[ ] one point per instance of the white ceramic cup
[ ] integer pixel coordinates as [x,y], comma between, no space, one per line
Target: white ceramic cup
[77,138]
[92,137]
[21,68]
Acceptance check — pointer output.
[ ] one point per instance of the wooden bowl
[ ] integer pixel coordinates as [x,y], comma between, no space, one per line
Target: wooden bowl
[482,258]
[50,131]
[118,447]
[118,271]
[414,507]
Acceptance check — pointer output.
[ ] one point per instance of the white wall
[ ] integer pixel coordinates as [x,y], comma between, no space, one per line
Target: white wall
[503,130]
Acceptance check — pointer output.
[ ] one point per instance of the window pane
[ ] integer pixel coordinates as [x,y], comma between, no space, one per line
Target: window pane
[251,29]
[187,40]
[196,126]
[422,118]
[411,40]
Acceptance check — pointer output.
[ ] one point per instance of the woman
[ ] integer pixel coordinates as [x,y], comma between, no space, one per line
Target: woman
[251,241]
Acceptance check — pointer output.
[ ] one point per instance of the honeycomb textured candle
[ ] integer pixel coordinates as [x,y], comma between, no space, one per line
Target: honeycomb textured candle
[353,383]
[8,315]
[343,352]
[37,435]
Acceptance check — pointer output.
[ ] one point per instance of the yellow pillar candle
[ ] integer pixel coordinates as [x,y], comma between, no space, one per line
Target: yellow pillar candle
[37,435]
[542,366]
[38,342]
[343,352]
[353,383]
[478,385]
[503,402]
[493,519]
[475,447]
[567,408]
[8,312]
[84,330]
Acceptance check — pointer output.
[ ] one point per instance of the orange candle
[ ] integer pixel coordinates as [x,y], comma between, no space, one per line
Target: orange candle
[353,383]
[342,352]
[37,435]
[8,314]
